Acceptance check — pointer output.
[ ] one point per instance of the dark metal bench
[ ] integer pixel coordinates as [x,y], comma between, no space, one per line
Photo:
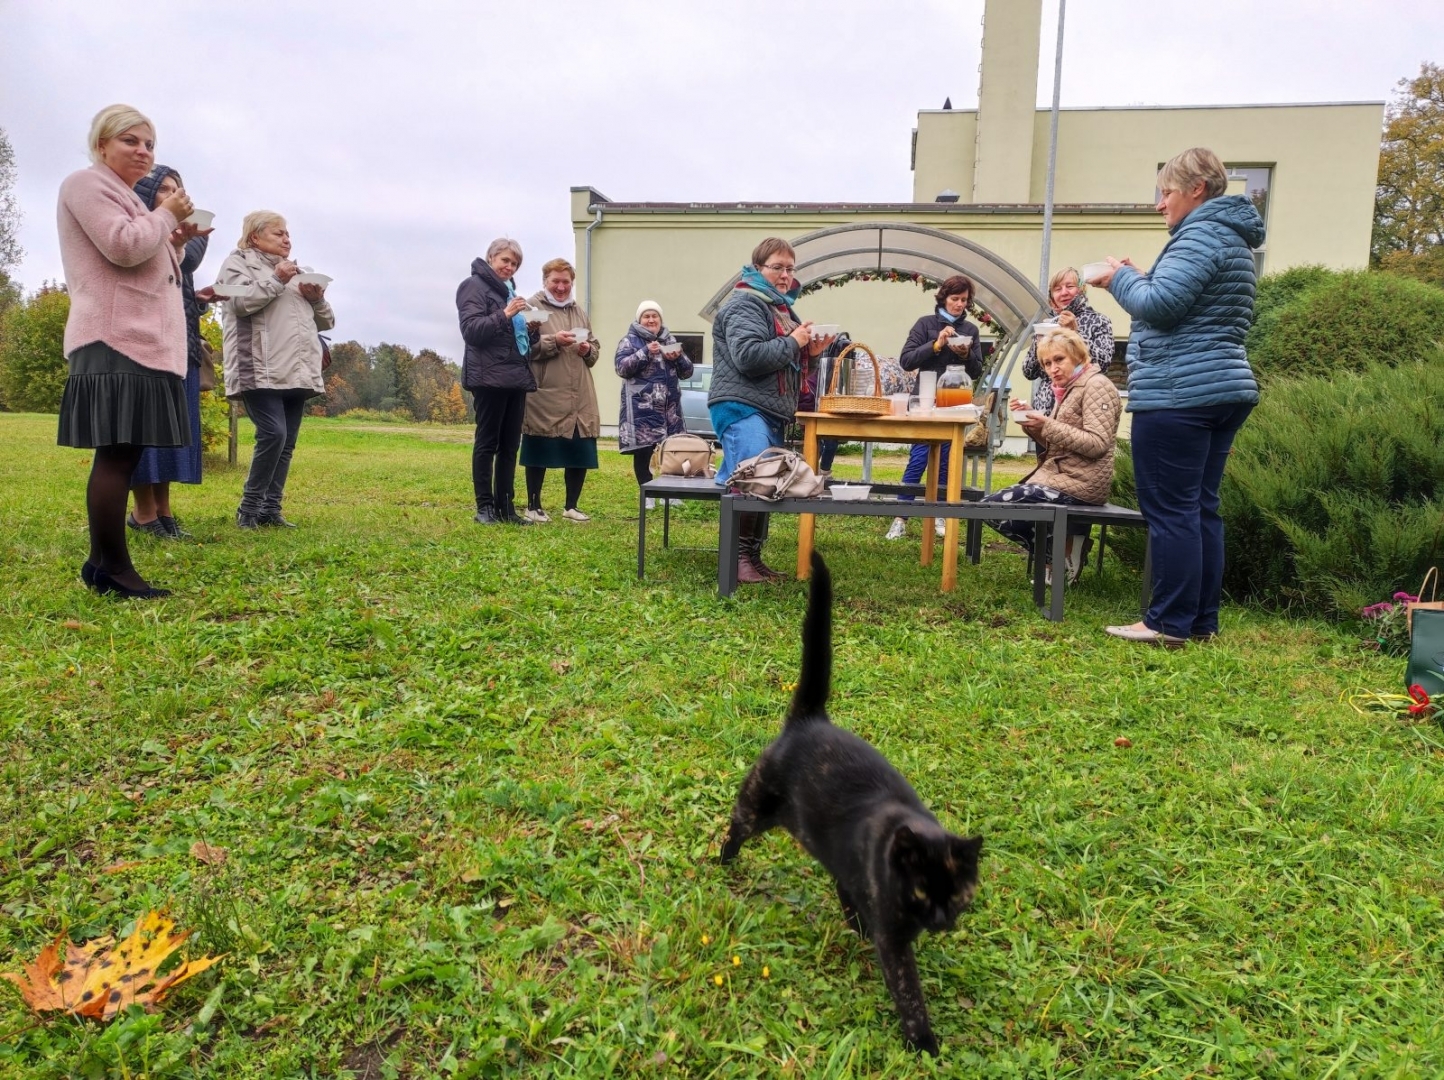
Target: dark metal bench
[669,487]
[1051,520]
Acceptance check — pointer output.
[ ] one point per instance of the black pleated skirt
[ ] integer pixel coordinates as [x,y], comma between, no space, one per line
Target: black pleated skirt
[110,400]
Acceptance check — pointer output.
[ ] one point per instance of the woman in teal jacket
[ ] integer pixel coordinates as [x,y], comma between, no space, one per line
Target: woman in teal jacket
[1190,387]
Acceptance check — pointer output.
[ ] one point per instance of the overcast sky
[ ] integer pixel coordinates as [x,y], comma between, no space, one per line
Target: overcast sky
[399,138]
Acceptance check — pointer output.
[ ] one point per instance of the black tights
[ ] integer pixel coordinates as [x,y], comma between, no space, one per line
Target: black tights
[642,465]
[536,476]
[105,501]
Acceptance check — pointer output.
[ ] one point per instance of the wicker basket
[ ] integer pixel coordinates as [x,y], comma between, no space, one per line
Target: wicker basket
[849,404]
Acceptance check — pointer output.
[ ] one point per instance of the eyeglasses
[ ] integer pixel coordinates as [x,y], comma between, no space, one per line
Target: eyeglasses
[778,269]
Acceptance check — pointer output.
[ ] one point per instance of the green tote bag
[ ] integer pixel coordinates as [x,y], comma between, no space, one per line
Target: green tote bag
[1426,652]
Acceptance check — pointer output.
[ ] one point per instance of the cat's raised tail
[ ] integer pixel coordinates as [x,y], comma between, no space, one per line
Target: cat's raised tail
[809,700]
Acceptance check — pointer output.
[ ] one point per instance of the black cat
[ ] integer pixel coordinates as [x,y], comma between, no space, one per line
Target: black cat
[898,871]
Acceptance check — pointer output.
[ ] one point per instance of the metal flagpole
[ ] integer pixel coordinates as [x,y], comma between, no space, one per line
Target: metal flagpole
[1052,155]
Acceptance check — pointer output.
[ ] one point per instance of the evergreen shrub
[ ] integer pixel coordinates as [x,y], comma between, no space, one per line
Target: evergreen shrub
[1318,322]
[1334,494]
[33,367]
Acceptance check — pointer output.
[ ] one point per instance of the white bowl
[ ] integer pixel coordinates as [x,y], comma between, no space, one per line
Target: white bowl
[850,492]
[532,314]
[313,279]
[225,292]
[1092,270]
[1041,328]
[825,330]
[200,218]
[970,413]
[674,349]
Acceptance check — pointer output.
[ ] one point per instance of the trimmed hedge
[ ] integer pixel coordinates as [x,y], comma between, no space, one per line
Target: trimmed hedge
[1311,321]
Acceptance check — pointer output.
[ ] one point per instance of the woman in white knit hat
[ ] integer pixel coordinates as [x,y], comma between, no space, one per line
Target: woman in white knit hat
[651,362]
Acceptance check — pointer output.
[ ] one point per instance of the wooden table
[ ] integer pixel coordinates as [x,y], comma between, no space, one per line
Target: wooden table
[913,428]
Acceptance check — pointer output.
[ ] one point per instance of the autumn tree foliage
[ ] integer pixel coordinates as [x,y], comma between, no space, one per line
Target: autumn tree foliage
[1409,202]
[391,378]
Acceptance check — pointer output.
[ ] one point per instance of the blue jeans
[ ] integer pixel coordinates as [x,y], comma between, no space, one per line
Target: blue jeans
[747,438]
[917,467]
[1178,461]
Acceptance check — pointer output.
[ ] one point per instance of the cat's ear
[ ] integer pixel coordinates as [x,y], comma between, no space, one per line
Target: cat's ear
[967,849]
[907,847]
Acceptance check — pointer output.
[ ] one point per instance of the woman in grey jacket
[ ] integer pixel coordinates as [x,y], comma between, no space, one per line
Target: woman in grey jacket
[759,351]
[1190,387]
[272,355]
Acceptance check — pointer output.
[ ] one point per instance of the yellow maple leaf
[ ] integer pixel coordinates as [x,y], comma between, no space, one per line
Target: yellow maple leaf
[99,981]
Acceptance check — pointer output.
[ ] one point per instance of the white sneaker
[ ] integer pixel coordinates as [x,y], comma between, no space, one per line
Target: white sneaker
[897,529]
[650,504]
[537,517]
[575,515]
[940,526]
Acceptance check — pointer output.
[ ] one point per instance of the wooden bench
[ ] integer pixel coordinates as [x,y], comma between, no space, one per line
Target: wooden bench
[669,487]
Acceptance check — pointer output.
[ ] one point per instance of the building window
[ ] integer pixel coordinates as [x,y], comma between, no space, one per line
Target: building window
[691,345]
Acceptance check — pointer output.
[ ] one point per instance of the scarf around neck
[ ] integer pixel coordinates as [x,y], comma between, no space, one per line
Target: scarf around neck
[752,279]
[950,319]
[518,324]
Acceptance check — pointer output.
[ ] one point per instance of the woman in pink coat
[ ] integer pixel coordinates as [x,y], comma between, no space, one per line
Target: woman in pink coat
[126,334]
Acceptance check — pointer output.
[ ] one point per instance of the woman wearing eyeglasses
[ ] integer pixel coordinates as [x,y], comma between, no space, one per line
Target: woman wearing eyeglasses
[760,352]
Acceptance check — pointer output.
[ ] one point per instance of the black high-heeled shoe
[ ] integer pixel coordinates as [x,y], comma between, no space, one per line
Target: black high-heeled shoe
[87,573]
[106,585]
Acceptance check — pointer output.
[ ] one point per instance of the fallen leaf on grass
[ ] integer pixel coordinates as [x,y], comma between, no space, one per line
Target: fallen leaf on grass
[208,853]
[71,624]
[100,979]
[118,867]
[1123,741]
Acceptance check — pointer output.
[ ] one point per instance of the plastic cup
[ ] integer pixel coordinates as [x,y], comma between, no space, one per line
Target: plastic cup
[899,403]
[1092,270]
[200,218]
[927,390]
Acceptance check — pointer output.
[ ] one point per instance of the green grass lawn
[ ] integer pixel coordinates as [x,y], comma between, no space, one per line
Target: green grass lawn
[471,784]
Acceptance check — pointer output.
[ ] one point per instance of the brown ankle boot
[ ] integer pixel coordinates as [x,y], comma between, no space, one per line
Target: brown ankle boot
[755,556]
[747,572]
[750,570]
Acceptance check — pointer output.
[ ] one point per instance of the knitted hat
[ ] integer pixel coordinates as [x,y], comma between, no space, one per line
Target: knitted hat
[645,306]
[149,184]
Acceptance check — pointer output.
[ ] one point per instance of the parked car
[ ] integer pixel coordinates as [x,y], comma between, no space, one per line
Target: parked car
[694,401]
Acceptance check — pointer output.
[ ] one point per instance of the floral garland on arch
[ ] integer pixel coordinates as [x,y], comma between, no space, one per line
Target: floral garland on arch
[924,281]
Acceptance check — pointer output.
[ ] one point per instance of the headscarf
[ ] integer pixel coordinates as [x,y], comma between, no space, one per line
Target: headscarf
[148,186]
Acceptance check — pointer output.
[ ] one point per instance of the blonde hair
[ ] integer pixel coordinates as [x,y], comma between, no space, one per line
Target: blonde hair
[254,222]
[1197,166]
[1072,346]
[110,122]
[1058,276]
[556,266]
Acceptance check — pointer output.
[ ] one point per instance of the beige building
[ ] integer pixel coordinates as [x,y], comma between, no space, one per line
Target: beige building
[980,174]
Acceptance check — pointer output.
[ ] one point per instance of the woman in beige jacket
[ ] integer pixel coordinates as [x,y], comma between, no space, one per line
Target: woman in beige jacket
[562,421]
[272,354]
[1075,442]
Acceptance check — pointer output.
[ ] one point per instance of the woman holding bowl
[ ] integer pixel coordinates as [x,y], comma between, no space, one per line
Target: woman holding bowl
[1066,296]
[652,364]
[125,335]
[761,349]
[1075,441]
[496,371]
[160,467]
[272,355]
[1190,386]
[562,422]
[935,341]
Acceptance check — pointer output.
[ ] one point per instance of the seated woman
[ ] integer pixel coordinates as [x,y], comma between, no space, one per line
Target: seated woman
[1075,443]
[935,341]
[1067,298]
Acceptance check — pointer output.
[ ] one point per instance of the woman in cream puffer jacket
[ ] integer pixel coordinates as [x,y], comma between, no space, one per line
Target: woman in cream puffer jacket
[272,354]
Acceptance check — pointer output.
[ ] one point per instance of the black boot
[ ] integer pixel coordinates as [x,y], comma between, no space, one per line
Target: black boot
[506,505]
[486,515]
